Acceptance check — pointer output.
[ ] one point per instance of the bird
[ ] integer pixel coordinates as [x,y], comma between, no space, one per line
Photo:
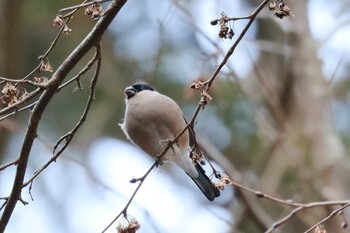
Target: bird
[151,120]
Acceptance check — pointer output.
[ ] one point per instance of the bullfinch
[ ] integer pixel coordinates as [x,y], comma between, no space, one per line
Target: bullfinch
[152,119]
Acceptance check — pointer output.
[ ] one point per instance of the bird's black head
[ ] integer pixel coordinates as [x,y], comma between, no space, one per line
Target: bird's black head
[135,88]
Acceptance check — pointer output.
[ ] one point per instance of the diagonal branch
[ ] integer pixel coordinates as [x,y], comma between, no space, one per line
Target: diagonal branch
[14,162]
[67,138]
[14,107]
[301,207]
[328,217]
[75,78]
[84,4]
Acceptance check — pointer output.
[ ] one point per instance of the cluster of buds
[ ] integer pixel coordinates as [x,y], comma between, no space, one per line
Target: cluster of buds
[45,67]
[11,94]
[95,11]
[197,157]
[224,180]
[281,9]
[128,226]
[59,21]
[226,30]
[40,80]
[201,87]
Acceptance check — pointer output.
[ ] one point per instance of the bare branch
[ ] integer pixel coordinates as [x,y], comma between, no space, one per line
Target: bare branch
[302,207]
[92,39]
[37,69]
[3,167]
[76,7]
[81,72]
[328,217]
[235,44]
[75,78]
[15,106]
[29,106]
[69,136]
[125,209]
[23,81]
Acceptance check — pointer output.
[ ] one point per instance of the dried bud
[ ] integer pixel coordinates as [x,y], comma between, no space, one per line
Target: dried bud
[196,85]
[287,10]
[224,180]
[205,98]
[129,226]
[41,79]
[226,30]
[95,11]
[223,32]
[67,30]
[58,21]
[272,5]
[133,180]
[9,90]
[282,10]
[197,157]
[45,67]
[24,94]
[320,229]
[230,34]
[10,94]
[214,22]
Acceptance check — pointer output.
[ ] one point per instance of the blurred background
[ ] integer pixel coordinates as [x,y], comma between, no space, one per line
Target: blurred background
[278,122]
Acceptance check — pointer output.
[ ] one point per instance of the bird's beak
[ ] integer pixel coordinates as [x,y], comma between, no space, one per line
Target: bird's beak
[130,92]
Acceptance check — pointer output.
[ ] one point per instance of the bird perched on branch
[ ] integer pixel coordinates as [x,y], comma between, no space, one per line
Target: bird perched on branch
[152,120]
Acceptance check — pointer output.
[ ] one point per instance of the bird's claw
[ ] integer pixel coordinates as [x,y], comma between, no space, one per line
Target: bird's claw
[166,142]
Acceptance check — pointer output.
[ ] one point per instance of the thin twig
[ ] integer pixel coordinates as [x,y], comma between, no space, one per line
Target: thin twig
[76,7]
[69,136]
[30,106]
[239,38]
[328,217]
[5,202]
[303,207]
[23,81]
[15,106]
[54,42]
[198,29]
[125,209]
[36,69]
[76,77]
[2,167]
[92,39]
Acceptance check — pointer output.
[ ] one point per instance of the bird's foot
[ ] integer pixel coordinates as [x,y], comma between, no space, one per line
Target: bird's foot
[158,161]
[166,142]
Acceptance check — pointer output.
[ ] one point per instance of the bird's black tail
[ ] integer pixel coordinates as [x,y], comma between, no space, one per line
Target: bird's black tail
[202,181]
[204,184]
